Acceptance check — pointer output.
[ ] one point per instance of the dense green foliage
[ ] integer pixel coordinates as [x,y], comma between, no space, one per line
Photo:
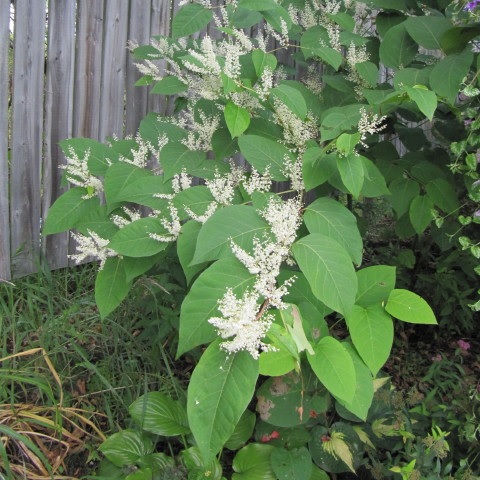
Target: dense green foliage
[276,285]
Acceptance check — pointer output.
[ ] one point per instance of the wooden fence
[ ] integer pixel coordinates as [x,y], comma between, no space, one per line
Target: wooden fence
[65,71]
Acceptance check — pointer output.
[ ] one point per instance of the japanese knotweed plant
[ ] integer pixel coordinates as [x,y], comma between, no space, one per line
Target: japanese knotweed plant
[264,263]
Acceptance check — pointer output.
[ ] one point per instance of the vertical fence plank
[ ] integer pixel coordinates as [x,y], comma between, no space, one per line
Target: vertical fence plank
[160,25]
[27,131]
[88,69]
[113,70]
[4,94]
[58,115]
[136,99]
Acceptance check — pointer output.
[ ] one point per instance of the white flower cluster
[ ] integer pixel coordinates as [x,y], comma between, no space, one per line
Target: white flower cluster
[199,136]
[239,320]
[257,182]
[172,226]
[369,123]
[355,55]
[142,154]
[91,246]
[244,318]
[293,171]
[130,216]
[77,173]
[181,181]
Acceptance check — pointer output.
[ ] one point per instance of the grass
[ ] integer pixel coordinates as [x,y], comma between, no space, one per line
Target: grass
[67,377]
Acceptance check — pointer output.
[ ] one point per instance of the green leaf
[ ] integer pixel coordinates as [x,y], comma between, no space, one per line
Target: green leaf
[126,447]
[292,99]
[169,85]
[134,239]
[314,43]
[156,413]
[397,48]
[197,199]
[317,167]
[292,319]
[263,153]
[176,156]
[408,77]
[186,243]
[111,286]
[215,406]
[142,191]
[262,60]
[68,210]
[368,71]
[95,153]
[331,218]
[239,223]
[154,126]
[409,307]
[334,367]
[237,119]
[352,173]
[258,5]
[252,462]
[373,182]
[293,464]
[338,119]
[362,400]
[403,191]
[328,269]
[277,362]
[427,30]
[118,177]
[189,19]
[375,284]
[347,142]
[371,329]
[420,213]
[197,468]
[425,99]
[456,39]
[201,302]
[243,431]
[448,74]
[442,195]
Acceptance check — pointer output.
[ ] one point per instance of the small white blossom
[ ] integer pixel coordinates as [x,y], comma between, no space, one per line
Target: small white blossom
[202,218]
[240,320]
[131,216]
[77,173]
[172,226]
[369,123]
[293,171]
[222,187]
[257,182]
[200,133]
[91,246]
[181,181]
[284,218]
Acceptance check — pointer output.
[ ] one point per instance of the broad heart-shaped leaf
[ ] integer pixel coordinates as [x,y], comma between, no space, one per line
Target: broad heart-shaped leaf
[220,389]
[442,194]
[397,48]
[334,367]
[351,172]
[335,120]
[118,177]
[239,223]
[169,85]
[252,462]
[186,243]
[236,118]
[403,192]
[362,400]
[159,414]
[263,153]
[191,18]
[293,464]
[111,286]
[317,167]
[425,99]
[126,447]
[428,30]
[328,269]
[243,431]
[409,307]
[374,285]
[373,182]
[142,191]
[201,302]
[420,213]
[371,329]
[292,98]
[447,75]
[68,210]
[258,5]
[176,156]
[408,77]
[134,240]
[331,218]
[261,60]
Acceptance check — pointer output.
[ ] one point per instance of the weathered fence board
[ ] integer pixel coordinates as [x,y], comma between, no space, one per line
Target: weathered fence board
[27,131]
[58,115]
[4,88]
